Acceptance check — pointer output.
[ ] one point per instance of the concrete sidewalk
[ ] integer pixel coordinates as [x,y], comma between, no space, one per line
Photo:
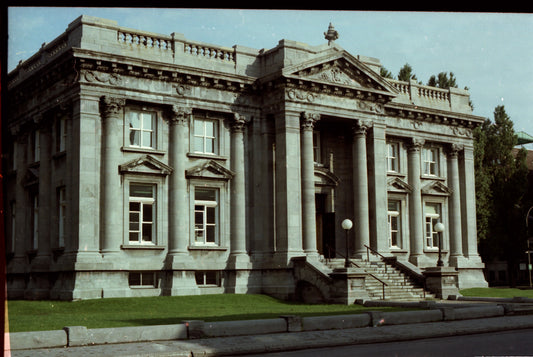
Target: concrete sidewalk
[241,345]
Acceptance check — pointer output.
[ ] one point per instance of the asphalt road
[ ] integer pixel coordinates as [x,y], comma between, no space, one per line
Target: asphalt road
[508,343]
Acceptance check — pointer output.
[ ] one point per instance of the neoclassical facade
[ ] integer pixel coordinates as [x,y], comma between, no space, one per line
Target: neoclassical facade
[140,164]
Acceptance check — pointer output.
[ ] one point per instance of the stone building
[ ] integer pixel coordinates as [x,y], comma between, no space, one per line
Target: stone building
[141,164]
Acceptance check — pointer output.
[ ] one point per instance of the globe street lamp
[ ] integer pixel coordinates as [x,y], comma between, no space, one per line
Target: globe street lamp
[439,228]
[347,225]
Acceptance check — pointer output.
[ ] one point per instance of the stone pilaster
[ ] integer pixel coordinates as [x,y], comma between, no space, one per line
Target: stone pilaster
[456,244]
[178,226]
[360,186]
[111,202]
[308,121]
[416,223]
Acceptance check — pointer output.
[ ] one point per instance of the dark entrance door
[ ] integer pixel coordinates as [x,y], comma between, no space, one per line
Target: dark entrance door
[325,227]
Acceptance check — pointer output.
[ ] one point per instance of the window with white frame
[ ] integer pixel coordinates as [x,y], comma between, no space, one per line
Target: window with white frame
[141,128]
[393,164]
[432,215]
[35,222]
[205,136]
[141,213]
[205,216]
[62,215]
[394,221]
[430,161]
[142,279]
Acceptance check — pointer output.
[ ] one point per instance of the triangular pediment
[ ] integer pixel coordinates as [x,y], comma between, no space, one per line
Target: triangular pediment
[31,177]
[396,184]
[436,188]
[145,164]
[340,69]
[211,170]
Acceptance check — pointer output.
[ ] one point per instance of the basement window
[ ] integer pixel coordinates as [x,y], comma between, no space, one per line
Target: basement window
[142,279]
[207,278]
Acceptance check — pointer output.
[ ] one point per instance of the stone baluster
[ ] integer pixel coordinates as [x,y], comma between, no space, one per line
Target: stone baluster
[308,121]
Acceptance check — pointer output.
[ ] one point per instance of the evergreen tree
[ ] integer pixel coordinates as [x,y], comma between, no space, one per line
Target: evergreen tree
[443,81]
[385,73]
[406,73]
[501,187]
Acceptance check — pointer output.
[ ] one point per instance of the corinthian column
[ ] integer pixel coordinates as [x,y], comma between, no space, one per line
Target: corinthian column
[112,109]
[238,192]
[360,184]
[456,239]
[415,202]
[178,214]
[308,121]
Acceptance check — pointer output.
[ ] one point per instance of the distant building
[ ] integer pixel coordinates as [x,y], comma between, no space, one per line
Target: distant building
[144,164]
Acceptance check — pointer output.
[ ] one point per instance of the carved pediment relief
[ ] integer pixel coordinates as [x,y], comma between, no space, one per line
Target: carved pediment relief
[341,69]
[396,184]
[145,164]
[210,169]
[436,188]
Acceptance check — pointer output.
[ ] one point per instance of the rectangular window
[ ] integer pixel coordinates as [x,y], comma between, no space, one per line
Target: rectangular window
[35,222]
[142,279]
[36,146]
[207,278]
[62,215]
[141,214]
[316,146]
[205,216]
[205,136]
[432,214]
[394,220]
[430,161]
[141,128]
[392,157]
[61,135]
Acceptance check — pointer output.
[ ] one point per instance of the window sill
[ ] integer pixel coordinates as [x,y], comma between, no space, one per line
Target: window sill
[430,177]
[196,155]
[207,247]
[396,174]
[142,246]
[142,150]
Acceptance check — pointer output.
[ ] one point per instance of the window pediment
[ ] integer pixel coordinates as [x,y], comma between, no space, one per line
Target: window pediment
[145,164]
[210,169]
[324,177]
[436,188]
[398,185]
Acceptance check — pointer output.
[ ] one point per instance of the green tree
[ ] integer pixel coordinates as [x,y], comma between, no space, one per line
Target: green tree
[385,73]
[406,73]
[501,187]
[442,80]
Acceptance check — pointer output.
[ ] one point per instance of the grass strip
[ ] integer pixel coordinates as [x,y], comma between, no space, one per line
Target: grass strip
[162,310]
[498,292]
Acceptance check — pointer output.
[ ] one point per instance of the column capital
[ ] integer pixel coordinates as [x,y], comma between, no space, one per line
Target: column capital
[112,106]
[360,126]
[308,120]
[180,115]
[453,149]
[238,123]
[415,144]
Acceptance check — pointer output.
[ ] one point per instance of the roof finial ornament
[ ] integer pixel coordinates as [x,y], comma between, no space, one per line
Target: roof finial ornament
[331,35]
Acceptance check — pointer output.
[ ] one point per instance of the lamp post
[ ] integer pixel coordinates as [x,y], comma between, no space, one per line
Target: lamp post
[439,228]
[347,225]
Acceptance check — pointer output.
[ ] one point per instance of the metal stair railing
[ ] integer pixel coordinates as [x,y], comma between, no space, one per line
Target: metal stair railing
[383,284]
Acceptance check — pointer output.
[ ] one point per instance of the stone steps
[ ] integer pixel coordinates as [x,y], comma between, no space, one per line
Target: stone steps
[399,286]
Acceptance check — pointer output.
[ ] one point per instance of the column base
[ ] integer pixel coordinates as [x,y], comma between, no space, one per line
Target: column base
[239,261]
[178,261]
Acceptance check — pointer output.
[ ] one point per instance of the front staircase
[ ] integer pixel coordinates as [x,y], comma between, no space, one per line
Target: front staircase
[399,287]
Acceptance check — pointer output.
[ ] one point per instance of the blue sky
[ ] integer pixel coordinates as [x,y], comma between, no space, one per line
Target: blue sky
[490,53]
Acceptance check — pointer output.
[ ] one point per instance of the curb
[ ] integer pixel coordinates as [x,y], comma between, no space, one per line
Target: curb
[73,336]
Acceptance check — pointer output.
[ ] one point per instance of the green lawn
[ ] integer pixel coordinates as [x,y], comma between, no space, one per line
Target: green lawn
[497,292]
[120,312]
